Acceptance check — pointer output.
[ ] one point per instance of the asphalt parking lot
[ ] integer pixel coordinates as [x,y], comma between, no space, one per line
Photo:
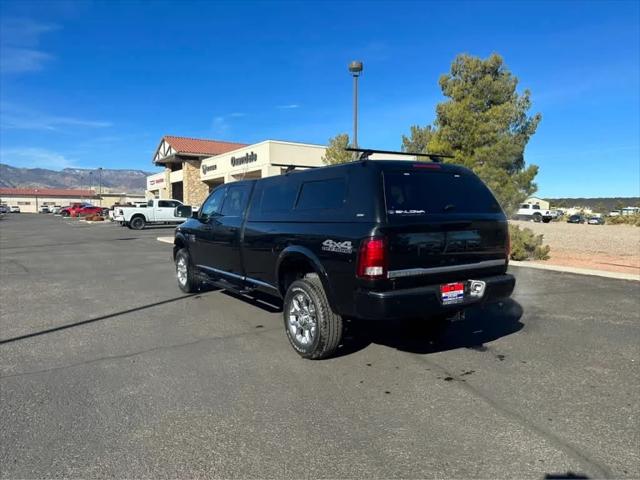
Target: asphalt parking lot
[107,370]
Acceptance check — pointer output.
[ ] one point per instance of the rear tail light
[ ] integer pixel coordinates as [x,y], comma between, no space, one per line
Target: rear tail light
[372,258]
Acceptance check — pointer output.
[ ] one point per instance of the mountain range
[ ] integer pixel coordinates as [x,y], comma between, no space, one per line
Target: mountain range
[130,181]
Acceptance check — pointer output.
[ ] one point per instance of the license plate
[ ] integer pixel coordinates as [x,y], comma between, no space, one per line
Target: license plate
[451,293]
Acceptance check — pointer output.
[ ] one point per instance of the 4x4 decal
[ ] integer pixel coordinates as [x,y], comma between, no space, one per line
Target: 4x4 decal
[338,247]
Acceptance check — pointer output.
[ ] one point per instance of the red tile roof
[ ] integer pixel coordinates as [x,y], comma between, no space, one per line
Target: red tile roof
[200,146]
[46,192]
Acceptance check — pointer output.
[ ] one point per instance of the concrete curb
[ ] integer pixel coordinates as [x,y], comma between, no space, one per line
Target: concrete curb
[165,240]
[577,271]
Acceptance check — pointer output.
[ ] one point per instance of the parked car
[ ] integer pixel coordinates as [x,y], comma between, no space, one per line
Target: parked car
[88,210]
[72,210]
[4,209]
[55,209]
[575,219]
[15,209]
[533,212]
[375,240]
[45,209]
[156,212]
[595,221]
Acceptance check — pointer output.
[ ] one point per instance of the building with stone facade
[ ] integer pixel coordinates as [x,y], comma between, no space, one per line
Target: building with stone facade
[194,167]
[181,158]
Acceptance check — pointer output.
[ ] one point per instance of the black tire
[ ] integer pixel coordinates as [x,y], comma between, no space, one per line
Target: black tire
[546,220]
[326,337]
[537,217]
[189,282]
[137,223]
[65,214]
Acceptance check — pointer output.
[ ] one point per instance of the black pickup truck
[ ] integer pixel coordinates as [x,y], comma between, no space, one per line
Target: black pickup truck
[371,239]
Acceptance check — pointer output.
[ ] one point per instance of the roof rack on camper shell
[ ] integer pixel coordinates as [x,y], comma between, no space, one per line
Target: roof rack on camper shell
[366,152]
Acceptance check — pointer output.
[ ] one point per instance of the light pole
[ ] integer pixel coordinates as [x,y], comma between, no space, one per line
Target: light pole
[100,184]
[355,68]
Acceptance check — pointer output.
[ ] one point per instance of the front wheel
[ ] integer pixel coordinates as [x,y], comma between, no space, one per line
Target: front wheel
[312,328]
[185,275]
[137,223]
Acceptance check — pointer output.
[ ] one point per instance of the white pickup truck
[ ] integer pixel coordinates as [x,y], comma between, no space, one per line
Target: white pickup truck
[156,212]
[530,211]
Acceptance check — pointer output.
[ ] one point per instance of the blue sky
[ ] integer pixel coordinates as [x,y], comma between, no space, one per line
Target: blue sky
[91,84]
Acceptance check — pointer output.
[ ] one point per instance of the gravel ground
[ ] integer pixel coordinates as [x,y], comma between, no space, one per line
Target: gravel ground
[605,247]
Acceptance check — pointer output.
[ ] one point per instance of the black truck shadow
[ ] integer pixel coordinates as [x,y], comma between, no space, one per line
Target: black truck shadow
[480,325]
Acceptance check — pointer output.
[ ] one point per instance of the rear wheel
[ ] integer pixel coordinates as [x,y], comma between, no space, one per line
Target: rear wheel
[185,275]
[137,223]
[65,214]
[537,217]
[312,328]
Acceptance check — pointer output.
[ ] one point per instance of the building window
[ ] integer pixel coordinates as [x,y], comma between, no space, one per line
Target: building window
[24,203]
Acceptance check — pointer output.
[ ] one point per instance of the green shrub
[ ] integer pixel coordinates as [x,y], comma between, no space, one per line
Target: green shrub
[525,245]
[624,220]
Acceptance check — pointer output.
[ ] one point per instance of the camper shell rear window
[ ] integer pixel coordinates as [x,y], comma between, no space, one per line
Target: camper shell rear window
[417,193]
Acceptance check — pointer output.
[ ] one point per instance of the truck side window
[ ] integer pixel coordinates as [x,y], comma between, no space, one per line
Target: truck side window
[235,201]
[212,204]
[164,204]
[322,194]
[150,203]
[279,197]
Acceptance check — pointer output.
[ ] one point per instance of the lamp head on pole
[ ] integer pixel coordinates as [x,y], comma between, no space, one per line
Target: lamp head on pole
[355,68]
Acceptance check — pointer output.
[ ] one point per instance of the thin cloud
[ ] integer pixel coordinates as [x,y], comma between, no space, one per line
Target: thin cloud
[19,41]
[220,126]
[22,60]
[12,118]
[290,106]
[30,157]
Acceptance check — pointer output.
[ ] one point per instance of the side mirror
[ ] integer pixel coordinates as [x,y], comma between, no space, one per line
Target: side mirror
[183,211]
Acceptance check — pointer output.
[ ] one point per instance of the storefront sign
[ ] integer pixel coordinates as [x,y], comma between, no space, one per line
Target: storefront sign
[155,182]
[208,168]
[246,158]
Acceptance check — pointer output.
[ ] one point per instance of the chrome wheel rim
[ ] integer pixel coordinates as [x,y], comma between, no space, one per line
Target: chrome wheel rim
[303,323]
[181,270]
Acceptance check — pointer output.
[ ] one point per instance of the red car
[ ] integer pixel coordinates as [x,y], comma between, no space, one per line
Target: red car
[71,210]
[79,210]
[88,210]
